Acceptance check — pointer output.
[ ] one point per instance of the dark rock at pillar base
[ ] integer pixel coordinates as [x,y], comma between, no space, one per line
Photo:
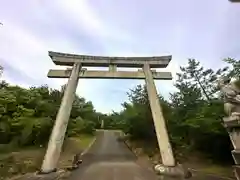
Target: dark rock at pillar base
[177,171]
[47,172]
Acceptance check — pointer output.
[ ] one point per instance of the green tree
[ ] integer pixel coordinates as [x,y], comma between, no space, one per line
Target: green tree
[235,71]
[27,115]
[1,71]
[197,112]
[204,79]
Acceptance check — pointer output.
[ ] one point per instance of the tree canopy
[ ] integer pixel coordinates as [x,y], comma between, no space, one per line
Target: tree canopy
[27,115]
[193,113]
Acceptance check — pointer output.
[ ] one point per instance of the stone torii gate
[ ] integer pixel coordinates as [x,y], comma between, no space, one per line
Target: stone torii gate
[77,62]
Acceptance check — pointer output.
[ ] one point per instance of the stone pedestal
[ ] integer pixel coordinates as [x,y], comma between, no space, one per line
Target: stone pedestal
[232,124]
[237,172]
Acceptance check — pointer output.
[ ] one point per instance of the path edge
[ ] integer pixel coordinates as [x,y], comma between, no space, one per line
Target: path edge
[89,146]
[123,140]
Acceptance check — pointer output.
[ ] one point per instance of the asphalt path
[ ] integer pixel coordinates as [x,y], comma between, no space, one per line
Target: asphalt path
[110,159]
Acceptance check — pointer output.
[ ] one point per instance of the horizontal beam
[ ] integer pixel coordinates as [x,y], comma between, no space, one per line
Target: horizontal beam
[105,61]
[235,1]
[108,74]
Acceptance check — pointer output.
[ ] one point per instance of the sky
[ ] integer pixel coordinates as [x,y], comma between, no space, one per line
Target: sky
[205,30]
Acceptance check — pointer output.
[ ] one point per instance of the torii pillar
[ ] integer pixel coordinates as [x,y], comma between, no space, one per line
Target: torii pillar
[158,119]
[59,129]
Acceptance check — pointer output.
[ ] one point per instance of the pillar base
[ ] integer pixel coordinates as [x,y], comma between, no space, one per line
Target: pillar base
[172,171]
[47,172]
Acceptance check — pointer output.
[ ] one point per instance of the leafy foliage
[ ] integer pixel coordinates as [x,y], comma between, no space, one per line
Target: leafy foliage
[27,115]
[193,113]
[235,71]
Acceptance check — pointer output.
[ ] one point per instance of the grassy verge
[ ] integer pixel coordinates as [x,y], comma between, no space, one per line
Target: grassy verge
[73,146]
[30,159]
[217,170]
[193,161]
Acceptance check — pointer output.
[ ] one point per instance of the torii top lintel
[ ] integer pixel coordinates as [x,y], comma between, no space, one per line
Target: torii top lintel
[104,61]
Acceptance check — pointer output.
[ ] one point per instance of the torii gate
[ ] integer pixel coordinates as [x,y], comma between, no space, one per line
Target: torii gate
[77,62]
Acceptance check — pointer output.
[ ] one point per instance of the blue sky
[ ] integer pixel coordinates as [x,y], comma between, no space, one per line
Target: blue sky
[206,30]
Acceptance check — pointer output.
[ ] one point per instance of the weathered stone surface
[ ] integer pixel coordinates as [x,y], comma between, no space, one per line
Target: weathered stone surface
[235,1]
[158,119]
[231,122]
[176,171]
[104,61]
[58,133]
[236,156]
[108,74]
[234,136]
[231,94]
[237,172]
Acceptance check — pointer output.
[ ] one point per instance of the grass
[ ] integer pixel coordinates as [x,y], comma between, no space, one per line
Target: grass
[194,161]
[20,162]
[201,164]
[26,160]
[217,170]
[85,140]
[73,146]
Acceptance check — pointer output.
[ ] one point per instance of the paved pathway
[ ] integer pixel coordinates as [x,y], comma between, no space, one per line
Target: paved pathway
[109,159]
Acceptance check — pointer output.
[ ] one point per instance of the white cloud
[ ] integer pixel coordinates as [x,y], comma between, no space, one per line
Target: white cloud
[82,14]
[32,28]
[27,53]
[26,56]
[22,50]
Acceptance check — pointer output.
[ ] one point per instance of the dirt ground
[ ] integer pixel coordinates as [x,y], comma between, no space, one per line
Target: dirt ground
[30,159]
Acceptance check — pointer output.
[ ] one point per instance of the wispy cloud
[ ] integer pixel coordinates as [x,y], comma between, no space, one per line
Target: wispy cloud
[201,29]
[84,16]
